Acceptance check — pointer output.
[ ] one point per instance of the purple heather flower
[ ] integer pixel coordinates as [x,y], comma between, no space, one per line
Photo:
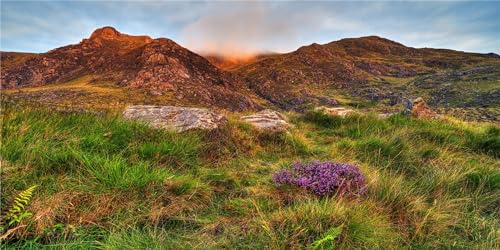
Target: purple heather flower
[323,178]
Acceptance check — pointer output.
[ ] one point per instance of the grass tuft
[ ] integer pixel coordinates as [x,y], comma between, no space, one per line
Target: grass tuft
[105,182]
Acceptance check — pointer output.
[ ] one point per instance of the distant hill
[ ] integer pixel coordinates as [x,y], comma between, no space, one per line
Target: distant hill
[375,69]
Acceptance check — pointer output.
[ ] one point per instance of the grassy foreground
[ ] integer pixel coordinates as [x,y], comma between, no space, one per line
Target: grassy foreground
[103,182]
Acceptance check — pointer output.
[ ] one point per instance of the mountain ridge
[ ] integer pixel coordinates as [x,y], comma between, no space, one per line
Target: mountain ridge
[158,66]
[357,67]
[372,70]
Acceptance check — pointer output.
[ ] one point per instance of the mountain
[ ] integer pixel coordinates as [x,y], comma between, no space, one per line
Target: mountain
[156,66]
[9,59]
[367,72]
[377,70]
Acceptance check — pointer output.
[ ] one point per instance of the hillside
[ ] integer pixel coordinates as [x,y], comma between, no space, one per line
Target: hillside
[10,59]
[158,67]
[79,172]
[371,73]
[378,70]
[104,182]
[249,125]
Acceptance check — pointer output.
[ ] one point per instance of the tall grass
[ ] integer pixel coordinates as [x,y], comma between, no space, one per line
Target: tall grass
[111,173]
[110,183]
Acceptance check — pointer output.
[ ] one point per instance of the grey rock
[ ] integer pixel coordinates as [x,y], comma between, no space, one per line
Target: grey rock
[339,111]
[385,115]
[408,106]
[268,120]
[177,118]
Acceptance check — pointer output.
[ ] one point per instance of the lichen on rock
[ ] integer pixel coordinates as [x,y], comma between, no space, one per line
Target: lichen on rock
[269,120]
[176,118]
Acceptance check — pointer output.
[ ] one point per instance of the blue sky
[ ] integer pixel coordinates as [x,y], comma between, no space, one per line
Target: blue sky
[249,27]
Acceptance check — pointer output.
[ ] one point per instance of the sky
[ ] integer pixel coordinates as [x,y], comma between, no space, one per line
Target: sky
[249,27]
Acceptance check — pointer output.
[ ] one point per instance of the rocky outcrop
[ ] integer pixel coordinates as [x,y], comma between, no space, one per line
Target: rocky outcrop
[420,109]
[268,120]
[177,118]
[111,34]
[365,67]
[155,66]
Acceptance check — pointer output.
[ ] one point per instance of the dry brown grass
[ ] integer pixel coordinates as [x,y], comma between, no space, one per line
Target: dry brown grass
[73,208]
[177,201]
[84,93]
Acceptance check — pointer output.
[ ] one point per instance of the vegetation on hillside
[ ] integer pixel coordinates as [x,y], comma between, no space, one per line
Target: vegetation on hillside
[380,71]
[109,183]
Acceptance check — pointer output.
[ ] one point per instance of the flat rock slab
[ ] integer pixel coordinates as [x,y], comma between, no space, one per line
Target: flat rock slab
[385,115]
[339,111]
[267,120]
[177,118]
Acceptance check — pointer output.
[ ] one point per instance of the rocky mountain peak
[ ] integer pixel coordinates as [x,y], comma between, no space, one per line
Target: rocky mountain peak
[155,66]
[109,33]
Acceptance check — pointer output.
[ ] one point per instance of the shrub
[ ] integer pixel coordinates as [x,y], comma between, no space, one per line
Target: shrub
[323,178]
[17,210]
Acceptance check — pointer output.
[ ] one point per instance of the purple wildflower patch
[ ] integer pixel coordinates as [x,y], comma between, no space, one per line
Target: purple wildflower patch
[324,178]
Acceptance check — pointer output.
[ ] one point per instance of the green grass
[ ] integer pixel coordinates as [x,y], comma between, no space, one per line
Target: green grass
[104,182]
[116,174]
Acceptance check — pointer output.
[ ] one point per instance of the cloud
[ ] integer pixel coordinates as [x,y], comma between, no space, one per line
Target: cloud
[244,28]
[240,30]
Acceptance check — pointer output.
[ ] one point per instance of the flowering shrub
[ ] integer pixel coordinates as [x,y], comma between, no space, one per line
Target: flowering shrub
[323,178]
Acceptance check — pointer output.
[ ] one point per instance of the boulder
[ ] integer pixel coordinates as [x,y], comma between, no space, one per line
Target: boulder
[177,118]
[339,111]
[268,120]
[420,109]
[407,106]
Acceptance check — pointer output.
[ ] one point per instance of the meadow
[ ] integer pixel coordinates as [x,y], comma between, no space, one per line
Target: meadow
[104,182]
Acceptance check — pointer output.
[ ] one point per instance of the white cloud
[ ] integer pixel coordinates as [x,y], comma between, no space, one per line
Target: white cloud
[250,27]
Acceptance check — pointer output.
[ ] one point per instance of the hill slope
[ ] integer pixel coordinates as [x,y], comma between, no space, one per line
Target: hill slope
[372,68]
[369,72]
[104,182]
[158,66]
